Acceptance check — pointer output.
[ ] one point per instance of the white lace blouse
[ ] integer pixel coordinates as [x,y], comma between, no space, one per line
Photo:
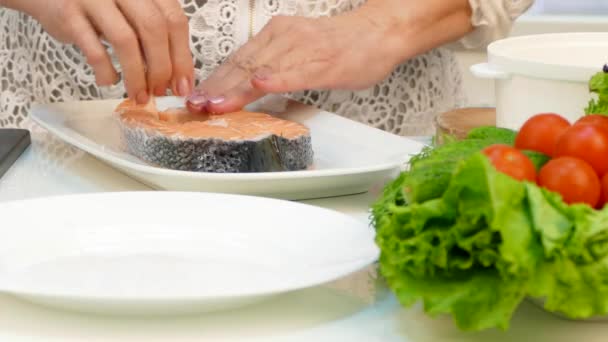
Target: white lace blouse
[36,68]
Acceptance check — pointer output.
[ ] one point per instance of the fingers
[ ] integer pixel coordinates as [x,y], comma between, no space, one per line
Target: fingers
[235,70]
[215,89]
[294,70]
[87,40]
[212,89]
[179,44]
[149,23]
[234,99]
[241,60]
[285,58]
[305,77]
[229,88]
[111,23]
[213,92]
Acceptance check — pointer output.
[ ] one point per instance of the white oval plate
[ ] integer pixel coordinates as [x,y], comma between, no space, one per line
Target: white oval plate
[350,157]
[172,252]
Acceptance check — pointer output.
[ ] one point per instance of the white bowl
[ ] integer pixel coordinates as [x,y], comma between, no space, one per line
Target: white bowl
[543,73]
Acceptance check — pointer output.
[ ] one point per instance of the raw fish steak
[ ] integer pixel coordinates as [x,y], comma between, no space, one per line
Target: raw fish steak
[234,142]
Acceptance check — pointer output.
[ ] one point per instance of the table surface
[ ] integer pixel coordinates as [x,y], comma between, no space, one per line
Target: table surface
[356,308]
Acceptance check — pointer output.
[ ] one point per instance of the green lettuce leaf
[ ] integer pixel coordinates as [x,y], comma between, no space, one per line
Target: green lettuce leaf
[476,301]
[487,242]
[573,279]
[598,85]
[469,253]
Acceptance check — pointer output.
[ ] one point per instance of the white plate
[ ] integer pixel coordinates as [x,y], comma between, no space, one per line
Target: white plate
[349,156]
[172,252]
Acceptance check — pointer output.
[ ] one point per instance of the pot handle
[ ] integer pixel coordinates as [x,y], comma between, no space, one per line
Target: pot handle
[485,70]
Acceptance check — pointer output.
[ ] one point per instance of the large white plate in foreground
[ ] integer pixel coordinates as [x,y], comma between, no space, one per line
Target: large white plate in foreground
[349,156]
[172,252]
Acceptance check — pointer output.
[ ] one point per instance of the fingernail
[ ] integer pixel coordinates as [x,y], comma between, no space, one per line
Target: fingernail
[197,99]
[197,107]
[216,99]
[183,87]
[142,97]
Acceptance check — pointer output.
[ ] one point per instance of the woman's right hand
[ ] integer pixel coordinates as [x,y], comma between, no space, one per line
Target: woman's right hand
[150,39]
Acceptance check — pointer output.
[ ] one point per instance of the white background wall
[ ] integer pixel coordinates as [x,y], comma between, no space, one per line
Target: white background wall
[570,6]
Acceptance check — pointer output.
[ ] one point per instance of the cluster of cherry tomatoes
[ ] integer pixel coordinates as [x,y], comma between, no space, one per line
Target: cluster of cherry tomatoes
[578,168]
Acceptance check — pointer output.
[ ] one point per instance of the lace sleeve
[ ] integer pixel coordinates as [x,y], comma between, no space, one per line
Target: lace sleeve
[492,20]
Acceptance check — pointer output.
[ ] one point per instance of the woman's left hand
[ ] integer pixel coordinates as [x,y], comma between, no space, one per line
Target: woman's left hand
[351,51]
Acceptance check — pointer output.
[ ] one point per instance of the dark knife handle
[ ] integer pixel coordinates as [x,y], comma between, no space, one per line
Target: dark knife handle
[13,142]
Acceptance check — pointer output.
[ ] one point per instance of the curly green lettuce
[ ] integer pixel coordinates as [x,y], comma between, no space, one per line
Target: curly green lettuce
[487,242]
[599,86]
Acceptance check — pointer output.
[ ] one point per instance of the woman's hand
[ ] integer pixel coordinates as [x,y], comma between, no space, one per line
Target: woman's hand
[294,53]
[149,37]
[352,51]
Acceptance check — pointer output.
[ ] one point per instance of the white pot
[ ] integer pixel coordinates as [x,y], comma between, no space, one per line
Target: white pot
[543,73]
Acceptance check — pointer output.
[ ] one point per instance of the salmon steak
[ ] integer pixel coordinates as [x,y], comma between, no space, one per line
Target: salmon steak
[228,143]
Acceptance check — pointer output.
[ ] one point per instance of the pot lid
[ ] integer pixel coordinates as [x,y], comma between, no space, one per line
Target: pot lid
[559,56]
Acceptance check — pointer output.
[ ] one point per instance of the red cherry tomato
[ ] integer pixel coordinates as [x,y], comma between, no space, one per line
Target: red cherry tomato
[540,133]
[597,120]
[511,161]
[586,142]
[573,178]
[593,119]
